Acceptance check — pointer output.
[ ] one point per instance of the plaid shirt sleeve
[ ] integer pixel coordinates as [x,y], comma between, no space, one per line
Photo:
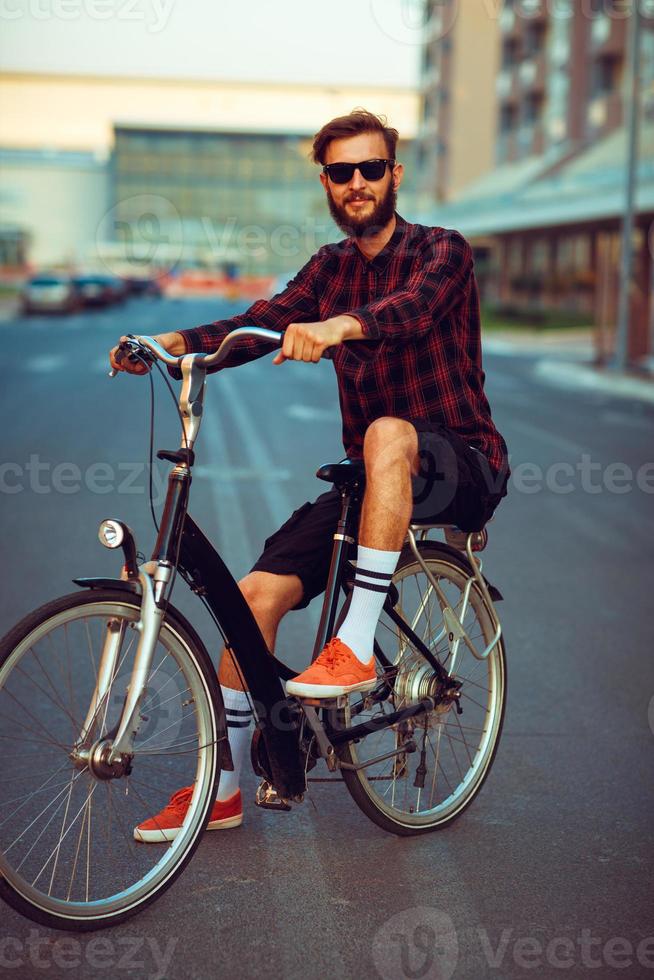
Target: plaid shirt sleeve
[297,302]
[429,293]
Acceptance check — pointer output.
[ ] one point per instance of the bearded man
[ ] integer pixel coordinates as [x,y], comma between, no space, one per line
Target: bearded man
[397,305]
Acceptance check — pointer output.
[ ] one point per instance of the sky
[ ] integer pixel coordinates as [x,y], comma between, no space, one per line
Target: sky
[331,41]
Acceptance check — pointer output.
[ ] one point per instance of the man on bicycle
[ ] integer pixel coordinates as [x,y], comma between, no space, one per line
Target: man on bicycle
[398,306]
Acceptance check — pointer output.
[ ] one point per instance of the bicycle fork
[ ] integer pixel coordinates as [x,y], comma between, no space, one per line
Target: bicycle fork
[110,756]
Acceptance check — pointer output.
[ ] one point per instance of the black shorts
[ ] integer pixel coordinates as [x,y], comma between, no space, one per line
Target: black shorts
[455,485]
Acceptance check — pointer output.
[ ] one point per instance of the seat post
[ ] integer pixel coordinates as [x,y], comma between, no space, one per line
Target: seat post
[343,537]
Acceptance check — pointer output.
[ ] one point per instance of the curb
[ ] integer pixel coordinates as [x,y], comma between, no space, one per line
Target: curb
[574,376]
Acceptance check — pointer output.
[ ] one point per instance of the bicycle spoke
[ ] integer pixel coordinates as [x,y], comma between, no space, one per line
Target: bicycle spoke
[456,747]
[62,844]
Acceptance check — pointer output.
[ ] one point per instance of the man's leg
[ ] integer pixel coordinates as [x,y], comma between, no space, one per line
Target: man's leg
[390,453]
[347,664]
[269,597]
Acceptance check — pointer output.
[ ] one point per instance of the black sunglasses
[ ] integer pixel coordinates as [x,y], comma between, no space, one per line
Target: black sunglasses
[341,173]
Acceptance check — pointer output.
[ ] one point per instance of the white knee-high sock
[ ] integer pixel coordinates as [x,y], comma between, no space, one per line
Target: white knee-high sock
[239,717]
[373,577]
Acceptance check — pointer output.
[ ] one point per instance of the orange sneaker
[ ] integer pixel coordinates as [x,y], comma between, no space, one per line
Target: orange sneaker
[165,826]
[335,671]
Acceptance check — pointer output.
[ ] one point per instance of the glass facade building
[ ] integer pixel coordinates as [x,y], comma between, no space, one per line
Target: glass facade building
[249,203]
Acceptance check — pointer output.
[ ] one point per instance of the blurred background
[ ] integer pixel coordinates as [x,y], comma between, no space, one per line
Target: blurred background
[169,147]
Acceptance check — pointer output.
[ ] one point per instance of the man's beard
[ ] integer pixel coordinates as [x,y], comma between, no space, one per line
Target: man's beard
[363,226]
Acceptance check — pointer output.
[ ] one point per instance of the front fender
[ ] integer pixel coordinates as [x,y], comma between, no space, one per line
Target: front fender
[109,583]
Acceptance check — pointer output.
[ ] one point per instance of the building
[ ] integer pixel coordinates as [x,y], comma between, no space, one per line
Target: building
[545,219]
[456,136]
[173,172]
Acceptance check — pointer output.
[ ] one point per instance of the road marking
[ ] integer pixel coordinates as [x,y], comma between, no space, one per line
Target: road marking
[234,413]
[583,377]
[233,536]
[254,446]
[621,418]
[310,413]
[535,432]
[45,363]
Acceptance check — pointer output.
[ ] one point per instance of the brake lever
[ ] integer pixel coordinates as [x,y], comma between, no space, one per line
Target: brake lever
[143,355]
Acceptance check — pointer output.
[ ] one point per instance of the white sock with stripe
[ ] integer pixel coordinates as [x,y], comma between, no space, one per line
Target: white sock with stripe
[373,576]
[239,717]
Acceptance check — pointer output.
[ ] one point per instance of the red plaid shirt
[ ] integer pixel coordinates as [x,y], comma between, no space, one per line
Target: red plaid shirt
[418,303]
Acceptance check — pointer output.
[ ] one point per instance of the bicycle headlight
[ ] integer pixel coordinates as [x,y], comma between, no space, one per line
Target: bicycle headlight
[111,533]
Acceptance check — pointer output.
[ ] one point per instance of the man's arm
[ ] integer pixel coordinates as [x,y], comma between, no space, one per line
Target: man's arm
[428,295]
[297,301]
[307,341]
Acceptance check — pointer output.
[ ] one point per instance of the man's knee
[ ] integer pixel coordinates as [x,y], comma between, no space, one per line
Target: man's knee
[269,594]
[390,440]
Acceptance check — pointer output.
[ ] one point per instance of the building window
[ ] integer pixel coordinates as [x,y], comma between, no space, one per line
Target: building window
[534,39]
[508,118]
[510,53]
[605,75]
[532,110]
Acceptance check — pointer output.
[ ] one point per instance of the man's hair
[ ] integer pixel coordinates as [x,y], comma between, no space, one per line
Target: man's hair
[356,122]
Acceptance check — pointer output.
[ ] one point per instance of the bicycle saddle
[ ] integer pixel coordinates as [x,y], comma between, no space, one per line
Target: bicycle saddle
[343,474]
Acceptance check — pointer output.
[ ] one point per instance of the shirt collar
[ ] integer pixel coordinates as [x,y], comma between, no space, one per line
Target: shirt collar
[381,260]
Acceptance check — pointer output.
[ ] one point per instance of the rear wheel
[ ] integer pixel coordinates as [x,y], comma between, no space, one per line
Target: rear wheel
[448,754]
[68,858]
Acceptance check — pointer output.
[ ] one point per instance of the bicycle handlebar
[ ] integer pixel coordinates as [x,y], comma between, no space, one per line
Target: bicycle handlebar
[205,360]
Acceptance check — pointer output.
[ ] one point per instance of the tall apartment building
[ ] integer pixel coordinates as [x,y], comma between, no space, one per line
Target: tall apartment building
[456,136]
[560,78]
[545,217]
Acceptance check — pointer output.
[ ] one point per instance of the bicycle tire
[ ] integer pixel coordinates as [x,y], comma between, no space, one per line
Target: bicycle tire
[178,640]
[449,566]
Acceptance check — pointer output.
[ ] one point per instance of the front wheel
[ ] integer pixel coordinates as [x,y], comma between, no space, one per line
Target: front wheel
[448,755]
[68,857]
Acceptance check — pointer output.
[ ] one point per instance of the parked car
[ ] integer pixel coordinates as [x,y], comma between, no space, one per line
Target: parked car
[96,289]
[48,292]
[143,286]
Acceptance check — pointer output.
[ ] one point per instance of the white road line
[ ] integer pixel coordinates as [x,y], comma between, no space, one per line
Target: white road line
[255,447]
[257,457]
[310,413]
[233,537]
[535,432]
[45,363]
[622,418]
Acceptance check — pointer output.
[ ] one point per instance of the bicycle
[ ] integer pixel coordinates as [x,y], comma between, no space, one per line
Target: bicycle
[109,699]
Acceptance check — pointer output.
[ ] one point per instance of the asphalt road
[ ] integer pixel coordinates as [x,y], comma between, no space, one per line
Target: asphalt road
[550,871]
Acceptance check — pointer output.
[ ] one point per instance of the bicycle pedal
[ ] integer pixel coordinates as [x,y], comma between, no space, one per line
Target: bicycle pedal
[266,797]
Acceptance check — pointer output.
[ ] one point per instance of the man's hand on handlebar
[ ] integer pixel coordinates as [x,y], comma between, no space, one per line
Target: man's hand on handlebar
[172,342]
[307,341]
